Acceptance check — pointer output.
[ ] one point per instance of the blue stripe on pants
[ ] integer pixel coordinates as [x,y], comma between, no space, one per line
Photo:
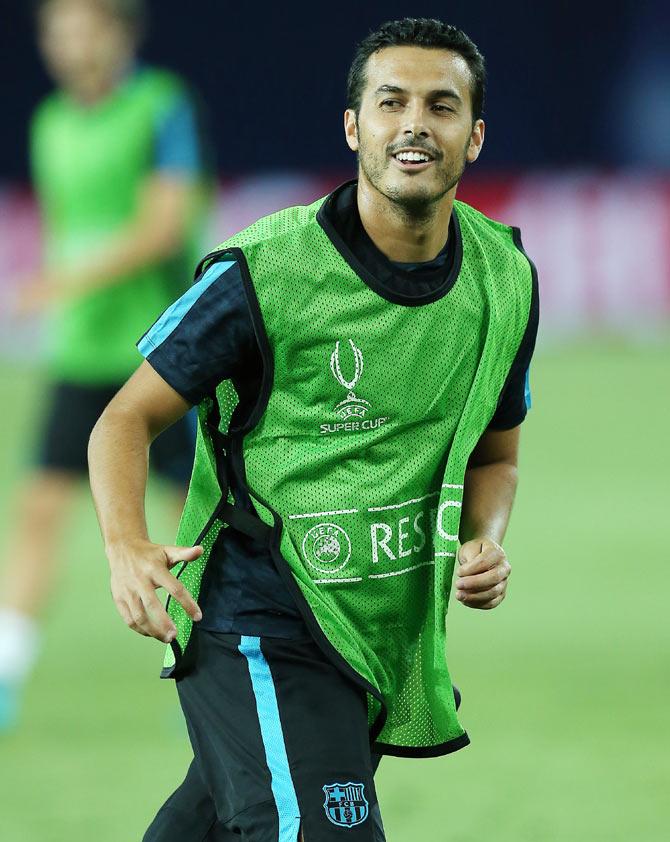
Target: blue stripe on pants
[273,739]
[526,390]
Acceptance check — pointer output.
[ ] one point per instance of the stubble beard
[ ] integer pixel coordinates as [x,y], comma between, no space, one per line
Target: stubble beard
[413,205]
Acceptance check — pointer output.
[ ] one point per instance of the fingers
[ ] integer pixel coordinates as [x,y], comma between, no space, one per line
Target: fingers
[483,599]
[144,614]
[175,555]
[160,625]
[483,581]
[482,574]
[175,588]
[478,556]
[469,551]
[127,616]
[138,618]
[137,572]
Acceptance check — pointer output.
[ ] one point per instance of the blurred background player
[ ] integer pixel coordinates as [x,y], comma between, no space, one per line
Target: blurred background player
[117,160]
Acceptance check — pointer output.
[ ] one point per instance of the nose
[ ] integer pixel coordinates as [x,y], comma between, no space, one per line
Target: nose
[415,121]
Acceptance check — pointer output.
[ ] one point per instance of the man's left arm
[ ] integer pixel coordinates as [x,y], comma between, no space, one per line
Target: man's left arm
[490,485]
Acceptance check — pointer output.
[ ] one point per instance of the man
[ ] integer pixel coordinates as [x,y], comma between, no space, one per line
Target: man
[359,367]
[118,173]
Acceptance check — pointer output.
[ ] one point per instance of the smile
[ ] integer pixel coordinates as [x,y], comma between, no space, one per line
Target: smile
[412,159]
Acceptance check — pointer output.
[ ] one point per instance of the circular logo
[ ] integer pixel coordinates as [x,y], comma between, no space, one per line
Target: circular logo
[326,547]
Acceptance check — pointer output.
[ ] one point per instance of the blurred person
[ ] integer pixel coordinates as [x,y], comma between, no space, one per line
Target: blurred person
[360,367]
[118,171]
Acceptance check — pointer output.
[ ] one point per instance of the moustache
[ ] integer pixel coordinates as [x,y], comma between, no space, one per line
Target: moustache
[415,144]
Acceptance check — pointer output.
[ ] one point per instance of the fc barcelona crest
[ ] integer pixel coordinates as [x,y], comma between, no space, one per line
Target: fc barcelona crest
[346,804]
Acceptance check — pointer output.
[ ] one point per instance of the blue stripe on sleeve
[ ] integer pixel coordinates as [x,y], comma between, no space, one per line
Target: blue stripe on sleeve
[273,739]
[526,390]
[177,146]
[174,314]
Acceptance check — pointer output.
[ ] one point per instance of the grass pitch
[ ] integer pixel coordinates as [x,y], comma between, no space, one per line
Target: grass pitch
[565,686]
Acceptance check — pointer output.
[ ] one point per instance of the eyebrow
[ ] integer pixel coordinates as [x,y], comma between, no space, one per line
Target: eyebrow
[440,93]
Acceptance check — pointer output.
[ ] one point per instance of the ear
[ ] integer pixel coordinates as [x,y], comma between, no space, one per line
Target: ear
[476,141]
[351,129]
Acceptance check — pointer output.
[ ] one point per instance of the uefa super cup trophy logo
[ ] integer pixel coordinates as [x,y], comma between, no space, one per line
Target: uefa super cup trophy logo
[351,406]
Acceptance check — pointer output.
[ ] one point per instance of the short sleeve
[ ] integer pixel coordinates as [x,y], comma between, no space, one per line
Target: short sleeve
[177,142]
[205,336]
[515,398]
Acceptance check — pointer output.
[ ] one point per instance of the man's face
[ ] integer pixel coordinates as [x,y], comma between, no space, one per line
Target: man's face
[83,46]
[416,105]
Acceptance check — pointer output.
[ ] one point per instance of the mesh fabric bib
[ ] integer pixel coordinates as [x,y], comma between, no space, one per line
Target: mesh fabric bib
[356,452]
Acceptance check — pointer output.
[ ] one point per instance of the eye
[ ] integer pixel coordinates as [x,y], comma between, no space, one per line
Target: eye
[390,103]
[442,108]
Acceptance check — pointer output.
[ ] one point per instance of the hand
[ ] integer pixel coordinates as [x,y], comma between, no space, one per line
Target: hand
[47,288]
[139,568]
[482,574]
[33,296]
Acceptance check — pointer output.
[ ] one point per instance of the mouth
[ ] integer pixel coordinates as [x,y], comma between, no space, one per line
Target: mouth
[412,160]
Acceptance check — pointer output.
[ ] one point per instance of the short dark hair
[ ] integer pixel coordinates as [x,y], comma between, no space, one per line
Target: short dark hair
[418,32]
[131,13]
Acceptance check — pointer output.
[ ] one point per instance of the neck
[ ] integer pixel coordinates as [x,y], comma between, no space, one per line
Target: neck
[403,236]
[89,91]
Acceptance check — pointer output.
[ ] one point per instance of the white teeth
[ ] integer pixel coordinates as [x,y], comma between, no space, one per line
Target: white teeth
[412,156]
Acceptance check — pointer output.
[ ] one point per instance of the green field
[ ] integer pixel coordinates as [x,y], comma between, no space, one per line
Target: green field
[566,686]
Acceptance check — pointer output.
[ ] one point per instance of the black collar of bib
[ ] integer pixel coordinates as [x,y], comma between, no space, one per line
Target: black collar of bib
[400,283]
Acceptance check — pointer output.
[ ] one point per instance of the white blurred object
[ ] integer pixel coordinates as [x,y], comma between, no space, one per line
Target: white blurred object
[19,644]
[602,248]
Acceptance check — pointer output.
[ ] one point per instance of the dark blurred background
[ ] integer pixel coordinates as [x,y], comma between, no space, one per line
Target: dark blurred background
[566,687]
[570,84]
[577,146]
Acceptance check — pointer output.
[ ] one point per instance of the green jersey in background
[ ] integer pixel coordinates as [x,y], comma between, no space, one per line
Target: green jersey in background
[89,164]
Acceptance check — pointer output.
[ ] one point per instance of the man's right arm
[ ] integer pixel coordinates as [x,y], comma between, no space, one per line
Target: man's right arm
[200,340]
[118,463]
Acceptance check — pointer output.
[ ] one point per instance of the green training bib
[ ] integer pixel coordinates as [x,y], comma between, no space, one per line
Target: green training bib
[356,453]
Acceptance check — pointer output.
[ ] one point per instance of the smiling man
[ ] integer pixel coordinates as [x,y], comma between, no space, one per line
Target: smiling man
[360,368]
[418,116]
